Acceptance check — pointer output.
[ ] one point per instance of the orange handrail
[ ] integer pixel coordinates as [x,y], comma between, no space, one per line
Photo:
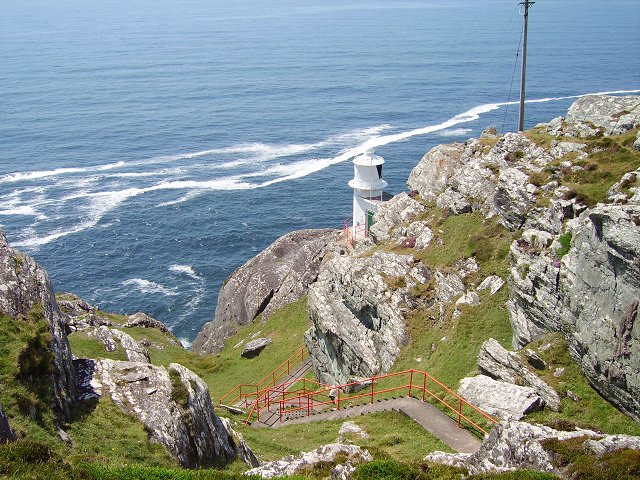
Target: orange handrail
[268,380]
[353,233]
[305,399]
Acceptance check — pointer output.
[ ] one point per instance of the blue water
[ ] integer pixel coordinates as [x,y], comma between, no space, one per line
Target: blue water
[149,148]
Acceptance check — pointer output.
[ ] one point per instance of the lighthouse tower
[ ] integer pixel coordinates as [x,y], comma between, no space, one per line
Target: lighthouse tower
[368,188]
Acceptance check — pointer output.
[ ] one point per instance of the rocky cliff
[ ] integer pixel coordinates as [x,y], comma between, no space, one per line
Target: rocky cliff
[575,267]
[25,286]
[278,275]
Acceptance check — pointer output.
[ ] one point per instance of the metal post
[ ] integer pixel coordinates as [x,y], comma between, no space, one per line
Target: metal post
[372,384]
[523,72]
[459,413]
[338,399]
[424,386]
[410,381]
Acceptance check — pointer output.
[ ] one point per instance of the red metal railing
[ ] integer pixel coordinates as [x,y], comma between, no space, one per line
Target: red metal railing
[353,233]
[307,401]
[246,391]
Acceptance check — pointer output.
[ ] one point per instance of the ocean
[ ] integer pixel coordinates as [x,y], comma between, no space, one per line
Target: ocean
[149,148]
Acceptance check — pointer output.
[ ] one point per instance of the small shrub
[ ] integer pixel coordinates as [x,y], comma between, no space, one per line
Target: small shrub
[564,452]
[619,465]
[179,392]
[565,242]
[385,470]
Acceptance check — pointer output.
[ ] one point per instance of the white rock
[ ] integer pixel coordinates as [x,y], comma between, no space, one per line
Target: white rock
[501,399]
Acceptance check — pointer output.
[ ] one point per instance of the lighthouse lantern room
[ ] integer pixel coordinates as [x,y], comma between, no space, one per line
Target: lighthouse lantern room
[368,185]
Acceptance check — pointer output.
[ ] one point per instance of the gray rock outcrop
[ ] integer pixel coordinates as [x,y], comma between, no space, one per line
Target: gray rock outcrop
[278,275]
[590,295]
[494,360]
[24,285]
[292,465]
[358,327]
[517,445]
[613,114]
[173,403]
[111,338]
[500,399]
[393,213]
[7,435]
[467,177]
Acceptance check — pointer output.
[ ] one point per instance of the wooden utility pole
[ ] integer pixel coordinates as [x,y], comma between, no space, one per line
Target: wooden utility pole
[523,74]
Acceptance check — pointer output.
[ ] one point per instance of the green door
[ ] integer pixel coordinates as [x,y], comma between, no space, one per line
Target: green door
[370,221]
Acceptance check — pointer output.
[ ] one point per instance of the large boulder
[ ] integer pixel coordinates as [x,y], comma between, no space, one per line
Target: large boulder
[173,403]
[24,285]
[515,445]
[280,274]
[500,399]
[497,362]
[590,295]
[358,327]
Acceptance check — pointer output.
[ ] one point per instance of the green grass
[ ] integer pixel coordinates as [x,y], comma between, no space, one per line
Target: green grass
[391,435]
[26,389]
[565,244]
[592,411]
[102,433]
[580,464]
[84,346]
[610,158]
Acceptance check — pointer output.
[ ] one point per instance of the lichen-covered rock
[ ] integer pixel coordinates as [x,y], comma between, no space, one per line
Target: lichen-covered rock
[613,114]
[308,460]
[400,209]
[431,176]
[278,275]
[627,190]
[500,399]
[24,285]
[494,360]
[513,197]
[590,295]
[358,327]
[174,404]
[242,447]
[466,177]
[111,337]
[511,445]
[493,283]
[517,446]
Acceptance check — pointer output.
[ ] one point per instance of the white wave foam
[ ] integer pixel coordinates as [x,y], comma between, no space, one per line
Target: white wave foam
[186,269]
[147,286]
[185,343]
[455,132]
[35,175]
[184,198]
[26,210]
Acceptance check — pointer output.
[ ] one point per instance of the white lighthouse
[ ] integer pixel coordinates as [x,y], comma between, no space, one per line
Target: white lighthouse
[368,192]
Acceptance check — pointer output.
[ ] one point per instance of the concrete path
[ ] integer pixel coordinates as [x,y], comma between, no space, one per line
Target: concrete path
[423,413]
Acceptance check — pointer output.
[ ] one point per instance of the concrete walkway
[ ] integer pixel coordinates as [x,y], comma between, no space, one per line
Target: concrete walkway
[423,413]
